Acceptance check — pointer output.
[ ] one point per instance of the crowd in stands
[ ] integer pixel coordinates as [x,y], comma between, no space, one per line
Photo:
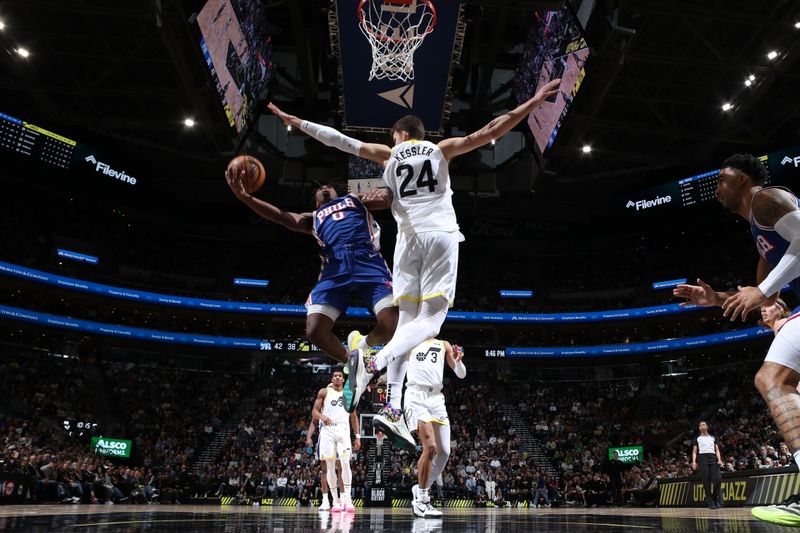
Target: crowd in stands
[513,438]
[26,392]
[579,422]
[168,413]
[173,412]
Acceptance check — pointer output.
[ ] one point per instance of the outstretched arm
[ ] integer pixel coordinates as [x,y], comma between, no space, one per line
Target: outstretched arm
[332,137]
[498,127]
[300,222]
[701,294]
[776,208]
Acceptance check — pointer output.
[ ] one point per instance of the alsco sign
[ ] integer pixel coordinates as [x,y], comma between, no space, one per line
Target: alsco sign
[111,447]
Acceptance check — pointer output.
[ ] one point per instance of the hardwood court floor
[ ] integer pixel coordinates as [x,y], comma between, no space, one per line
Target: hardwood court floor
[158,518]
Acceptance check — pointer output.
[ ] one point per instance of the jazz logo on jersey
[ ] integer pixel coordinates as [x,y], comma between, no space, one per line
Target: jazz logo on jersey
[764,247]
[421,356]
[338,401]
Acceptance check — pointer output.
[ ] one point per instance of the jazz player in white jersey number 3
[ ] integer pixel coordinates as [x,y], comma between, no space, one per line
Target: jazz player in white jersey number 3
[334,439]
[426,254]
[427,415]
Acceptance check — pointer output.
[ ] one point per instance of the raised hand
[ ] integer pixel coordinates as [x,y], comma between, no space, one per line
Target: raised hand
[546,90]
[235,178]
[286,118]
[701,294]
[740,304]
[458,353]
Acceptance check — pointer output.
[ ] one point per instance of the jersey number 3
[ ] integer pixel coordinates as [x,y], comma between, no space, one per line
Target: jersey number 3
[434,353]
[425,178]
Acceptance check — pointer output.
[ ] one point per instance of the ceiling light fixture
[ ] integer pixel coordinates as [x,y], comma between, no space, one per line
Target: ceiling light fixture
[23,52]
[189,122]
[772,55]
[726,106]
[586,149]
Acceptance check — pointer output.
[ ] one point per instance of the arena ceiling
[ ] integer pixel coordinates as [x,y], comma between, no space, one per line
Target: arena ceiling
[123,75]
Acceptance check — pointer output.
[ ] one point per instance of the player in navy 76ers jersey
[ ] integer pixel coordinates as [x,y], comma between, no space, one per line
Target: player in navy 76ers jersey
[774,218]
[351,260]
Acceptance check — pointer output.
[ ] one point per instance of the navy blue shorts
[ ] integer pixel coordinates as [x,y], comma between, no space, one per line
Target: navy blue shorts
[359,270]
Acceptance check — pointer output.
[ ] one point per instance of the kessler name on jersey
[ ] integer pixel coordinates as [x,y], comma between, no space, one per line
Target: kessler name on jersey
[413,150]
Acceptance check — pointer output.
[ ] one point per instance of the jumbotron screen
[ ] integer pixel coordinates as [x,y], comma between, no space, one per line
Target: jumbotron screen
[238,53]
[30,140]
[555,49]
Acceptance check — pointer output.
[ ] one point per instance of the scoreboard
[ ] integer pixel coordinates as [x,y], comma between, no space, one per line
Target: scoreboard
[33,141]
[701,188]
[697,189]
[25,140]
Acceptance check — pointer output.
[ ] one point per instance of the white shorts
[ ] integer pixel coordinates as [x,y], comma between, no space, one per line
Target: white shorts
[785,348]
[426,265]
[334,443]
[421,406]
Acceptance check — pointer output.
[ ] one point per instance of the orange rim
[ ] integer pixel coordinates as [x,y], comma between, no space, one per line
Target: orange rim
[385,38]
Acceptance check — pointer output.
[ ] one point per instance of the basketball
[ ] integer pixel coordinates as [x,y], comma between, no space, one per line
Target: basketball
[253,171]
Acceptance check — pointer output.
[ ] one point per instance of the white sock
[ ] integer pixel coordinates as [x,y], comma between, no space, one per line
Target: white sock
[423,495]
[335,493]
[797,458]
[363,343]
[347,492]
[395,375]
[325,498]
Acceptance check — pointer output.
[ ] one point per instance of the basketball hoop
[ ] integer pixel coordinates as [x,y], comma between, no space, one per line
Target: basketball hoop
[395,29]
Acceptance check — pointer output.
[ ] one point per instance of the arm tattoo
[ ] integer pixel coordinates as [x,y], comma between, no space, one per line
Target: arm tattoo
[769,205]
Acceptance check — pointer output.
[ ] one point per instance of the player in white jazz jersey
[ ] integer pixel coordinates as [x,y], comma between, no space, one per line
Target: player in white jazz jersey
[323,465]
[425,413]
[426,254]
[334,439]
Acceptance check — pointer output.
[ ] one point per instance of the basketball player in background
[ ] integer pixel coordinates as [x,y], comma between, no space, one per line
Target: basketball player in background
[351,260]
[775,225]
[325,505]
[334,439]
[776,315]
[426,413]
[426,254]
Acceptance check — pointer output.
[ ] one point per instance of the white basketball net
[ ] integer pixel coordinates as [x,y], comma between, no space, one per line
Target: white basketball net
[394,31]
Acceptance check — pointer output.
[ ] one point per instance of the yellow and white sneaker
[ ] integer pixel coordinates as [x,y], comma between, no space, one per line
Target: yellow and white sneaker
[353,339]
